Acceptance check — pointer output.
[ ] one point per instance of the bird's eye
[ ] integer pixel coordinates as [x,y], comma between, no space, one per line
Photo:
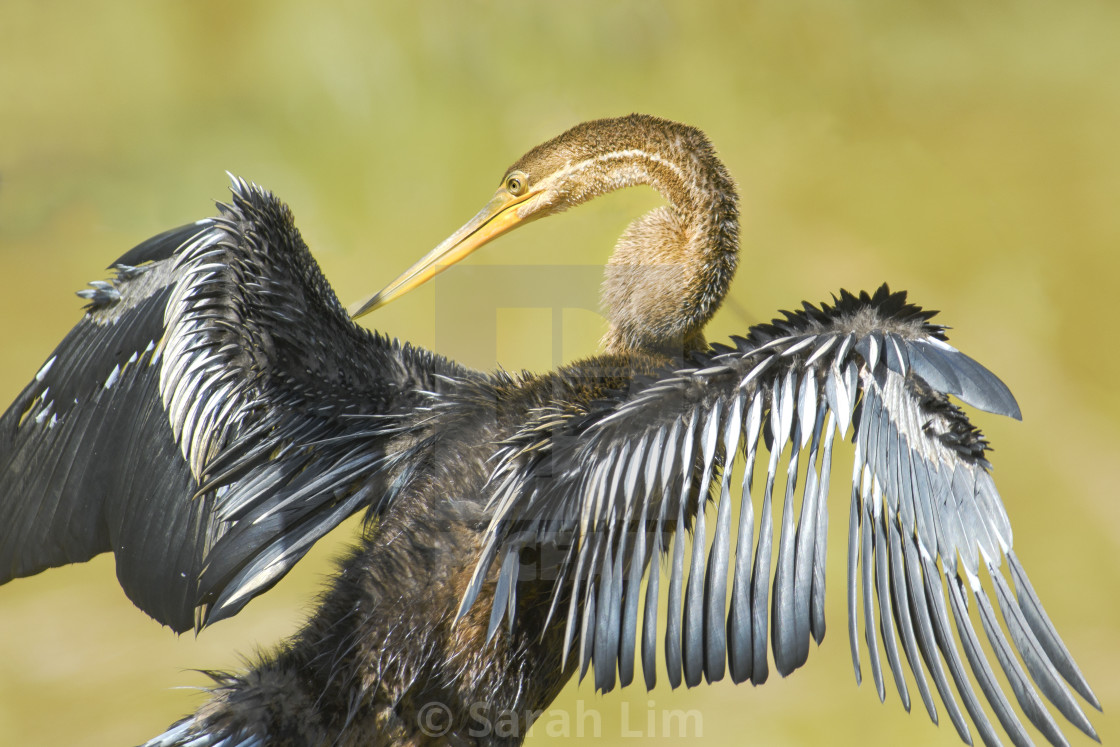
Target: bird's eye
[516,183]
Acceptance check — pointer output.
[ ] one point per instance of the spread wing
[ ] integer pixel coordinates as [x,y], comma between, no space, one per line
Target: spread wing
[928,536]
[212,415]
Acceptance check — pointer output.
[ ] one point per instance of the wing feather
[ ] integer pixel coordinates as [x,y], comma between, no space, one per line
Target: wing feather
[760,573]
[673,654]
[981,668]
[900,605]
[925,634]
[213,414]
[784,621]
[866,558]
[694,639]
[740,649]
[715,582]
[816,602]
[925,516]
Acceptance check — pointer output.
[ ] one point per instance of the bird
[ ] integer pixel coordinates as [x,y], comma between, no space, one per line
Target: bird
[217,410]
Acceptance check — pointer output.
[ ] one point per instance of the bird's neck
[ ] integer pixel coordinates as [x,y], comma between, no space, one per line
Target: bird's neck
[672,267]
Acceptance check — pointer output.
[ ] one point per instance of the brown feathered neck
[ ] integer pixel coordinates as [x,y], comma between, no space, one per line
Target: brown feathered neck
[672,267]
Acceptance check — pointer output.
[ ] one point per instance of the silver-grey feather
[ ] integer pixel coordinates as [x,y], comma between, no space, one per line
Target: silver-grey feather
[925,517]
[181,735]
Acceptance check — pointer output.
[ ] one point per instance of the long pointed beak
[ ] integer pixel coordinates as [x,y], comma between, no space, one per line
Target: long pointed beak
[499,216]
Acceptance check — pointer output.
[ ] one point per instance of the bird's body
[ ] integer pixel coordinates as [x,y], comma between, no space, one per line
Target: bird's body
[513,519]
[385,641]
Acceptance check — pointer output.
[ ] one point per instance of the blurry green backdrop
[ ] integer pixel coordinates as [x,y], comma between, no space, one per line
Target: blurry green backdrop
[968,152]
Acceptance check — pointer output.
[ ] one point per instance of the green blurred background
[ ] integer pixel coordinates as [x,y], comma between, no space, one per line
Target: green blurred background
[965,151]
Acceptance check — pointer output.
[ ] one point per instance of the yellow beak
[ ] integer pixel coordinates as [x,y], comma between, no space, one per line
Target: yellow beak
[499,216]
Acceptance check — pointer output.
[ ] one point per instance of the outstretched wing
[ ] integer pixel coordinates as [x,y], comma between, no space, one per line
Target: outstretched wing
[213,414]
[615,487]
